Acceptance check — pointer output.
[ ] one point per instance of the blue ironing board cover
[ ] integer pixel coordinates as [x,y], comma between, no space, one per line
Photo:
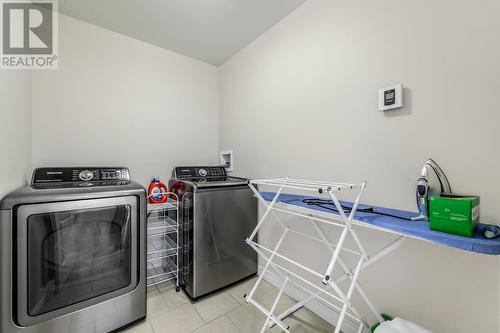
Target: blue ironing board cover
[418,229]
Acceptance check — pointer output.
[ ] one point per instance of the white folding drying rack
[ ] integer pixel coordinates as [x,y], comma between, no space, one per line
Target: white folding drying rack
[330,285]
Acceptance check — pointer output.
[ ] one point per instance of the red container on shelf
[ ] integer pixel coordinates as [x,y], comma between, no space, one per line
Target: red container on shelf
[157,191]
[178,188]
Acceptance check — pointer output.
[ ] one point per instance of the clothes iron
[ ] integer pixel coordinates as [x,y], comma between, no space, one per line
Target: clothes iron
[432,182]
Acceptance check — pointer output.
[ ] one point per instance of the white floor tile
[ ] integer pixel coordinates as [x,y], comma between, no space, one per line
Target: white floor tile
[155,305]
[182,319]
[267,300]
[219,325]
[173,298]
[226,312]
[247,318]
[215,306]
[151,291]
[303,321]
[245,287]
[144,327]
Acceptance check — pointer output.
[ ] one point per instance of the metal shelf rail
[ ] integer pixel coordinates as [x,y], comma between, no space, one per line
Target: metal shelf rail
[163,241]
[328,291]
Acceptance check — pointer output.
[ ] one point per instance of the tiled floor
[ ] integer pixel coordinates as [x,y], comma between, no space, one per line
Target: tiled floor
[224,312]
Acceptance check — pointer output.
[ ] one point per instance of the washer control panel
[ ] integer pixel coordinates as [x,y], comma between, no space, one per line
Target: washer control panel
[199,172]
[106,176]
[86,175]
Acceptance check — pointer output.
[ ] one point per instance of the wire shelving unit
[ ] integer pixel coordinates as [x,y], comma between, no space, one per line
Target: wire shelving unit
[163,241]
[318,285]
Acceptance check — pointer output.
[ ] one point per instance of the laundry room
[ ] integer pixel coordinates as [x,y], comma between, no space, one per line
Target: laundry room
[234,166]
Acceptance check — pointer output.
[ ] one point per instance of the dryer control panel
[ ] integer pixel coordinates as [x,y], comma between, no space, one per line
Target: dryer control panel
[80,174]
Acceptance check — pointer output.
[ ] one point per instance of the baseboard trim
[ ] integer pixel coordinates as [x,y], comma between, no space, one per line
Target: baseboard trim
[315,306]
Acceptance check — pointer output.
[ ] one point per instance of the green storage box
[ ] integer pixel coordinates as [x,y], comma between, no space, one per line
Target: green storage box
[454,214]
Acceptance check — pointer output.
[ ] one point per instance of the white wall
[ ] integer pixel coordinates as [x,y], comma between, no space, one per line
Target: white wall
[299,101]
[302,101]
[118,101]
[15,129]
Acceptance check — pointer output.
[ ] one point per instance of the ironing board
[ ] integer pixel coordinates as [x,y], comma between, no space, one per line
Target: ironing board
[348,219]
[413,229]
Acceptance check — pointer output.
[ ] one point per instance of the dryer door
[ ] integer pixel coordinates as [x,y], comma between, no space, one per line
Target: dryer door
[71,255]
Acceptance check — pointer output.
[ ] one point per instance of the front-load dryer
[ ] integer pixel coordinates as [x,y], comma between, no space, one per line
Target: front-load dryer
[72,252]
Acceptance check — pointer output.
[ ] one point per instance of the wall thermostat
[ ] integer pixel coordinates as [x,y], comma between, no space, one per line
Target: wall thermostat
[390,97]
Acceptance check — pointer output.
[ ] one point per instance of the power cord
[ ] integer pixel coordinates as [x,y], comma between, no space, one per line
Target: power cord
[328,204]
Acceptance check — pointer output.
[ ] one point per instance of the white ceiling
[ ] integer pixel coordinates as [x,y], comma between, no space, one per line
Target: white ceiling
[208,30]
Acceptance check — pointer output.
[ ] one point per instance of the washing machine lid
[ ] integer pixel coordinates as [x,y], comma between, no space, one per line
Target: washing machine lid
[219,182]
[207,176]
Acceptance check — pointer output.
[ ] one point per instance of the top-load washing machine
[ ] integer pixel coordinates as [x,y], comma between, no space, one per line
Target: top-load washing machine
[218,213]
[72,252]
